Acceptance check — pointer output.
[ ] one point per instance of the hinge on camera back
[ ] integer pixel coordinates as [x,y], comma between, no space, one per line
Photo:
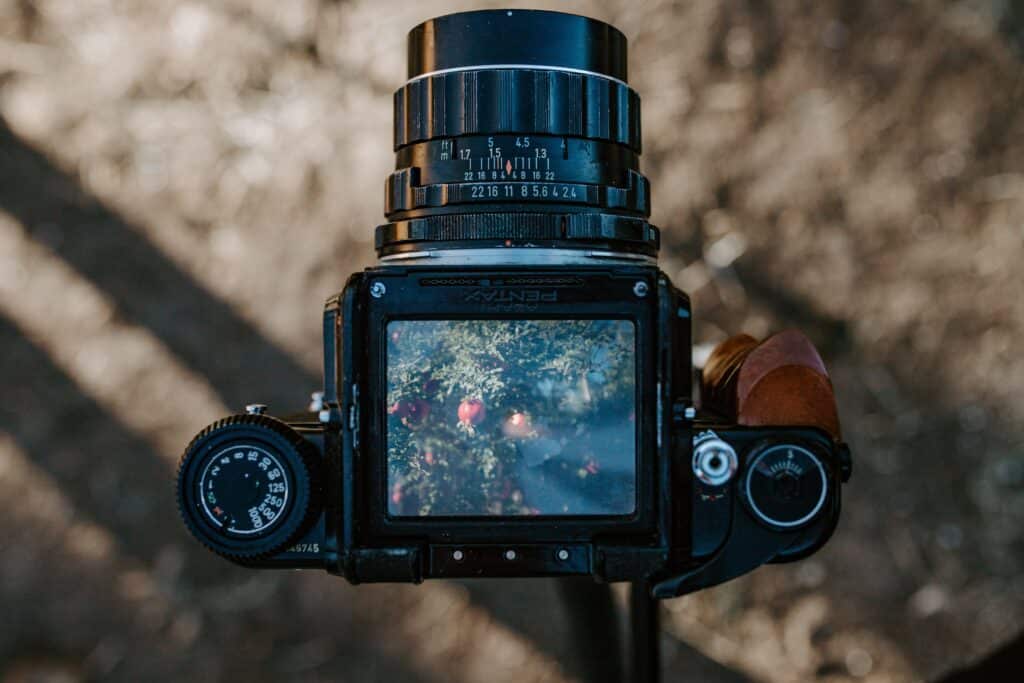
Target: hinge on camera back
[330,412]
[683,411]
[353,416]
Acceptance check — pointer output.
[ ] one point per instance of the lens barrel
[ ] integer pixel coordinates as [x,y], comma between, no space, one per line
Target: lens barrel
[516,128]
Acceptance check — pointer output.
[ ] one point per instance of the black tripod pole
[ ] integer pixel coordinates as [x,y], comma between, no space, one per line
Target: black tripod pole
[594,629]
[645,652]
[594,626]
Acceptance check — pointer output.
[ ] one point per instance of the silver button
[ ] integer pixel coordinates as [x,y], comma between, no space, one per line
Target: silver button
[714,461]
[316,402]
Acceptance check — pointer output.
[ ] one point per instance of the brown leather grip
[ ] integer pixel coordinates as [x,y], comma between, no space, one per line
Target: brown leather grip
[721,374]
[781,381]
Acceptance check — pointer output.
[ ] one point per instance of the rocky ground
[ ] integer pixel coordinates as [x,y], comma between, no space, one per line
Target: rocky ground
[183,184]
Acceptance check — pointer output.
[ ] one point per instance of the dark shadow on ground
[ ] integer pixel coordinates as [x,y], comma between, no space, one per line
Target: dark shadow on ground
[106,471]
[148,288]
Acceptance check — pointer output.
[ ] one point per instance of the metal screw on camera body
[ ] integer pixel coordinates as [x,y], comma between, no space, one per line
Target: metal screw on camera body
[640,289]
[377,290]
[316,402]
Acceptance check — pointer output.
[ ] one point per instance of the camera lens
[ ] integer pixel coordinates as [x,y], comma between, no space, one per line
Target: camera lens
[517,128]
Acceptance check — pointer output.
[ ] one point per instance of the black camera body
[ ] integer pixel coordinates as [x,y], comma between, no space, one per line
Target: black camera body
[688,531]
[509,393]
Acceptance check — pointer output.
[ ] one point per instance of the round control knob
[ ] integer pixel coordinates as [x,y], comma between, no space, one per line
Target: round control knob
[714,461]
[785,485]
[247,486]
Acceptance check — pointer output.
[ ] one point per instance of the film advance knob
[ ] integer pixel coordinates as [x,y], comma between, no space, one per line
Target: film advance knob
[247,486]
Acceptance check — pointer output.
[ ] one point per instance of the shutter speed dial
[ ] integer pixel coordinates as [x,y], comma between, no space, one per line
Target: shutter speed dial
[246,486]
[785,485]
[244,490]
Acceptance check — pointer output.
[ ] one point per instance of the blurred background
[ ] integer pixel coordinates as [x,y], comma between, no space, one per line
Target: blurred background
[182,184]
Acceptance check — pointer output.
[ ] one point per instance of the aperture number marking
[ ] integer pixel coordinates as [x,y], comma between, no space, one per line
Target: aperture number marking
[526,191]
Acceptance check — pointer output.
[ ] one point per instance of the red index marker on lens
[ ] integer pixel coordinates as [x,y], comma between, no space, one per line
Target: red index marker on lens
[508,166]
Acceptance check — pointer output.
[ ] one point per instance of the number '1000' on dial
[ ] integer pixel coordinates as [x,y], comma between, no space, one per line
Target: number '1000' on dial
[243,490]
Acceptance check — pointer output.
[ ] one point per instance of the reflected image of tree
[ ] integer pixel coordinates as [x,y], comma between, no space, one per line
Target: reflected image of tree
[511,417]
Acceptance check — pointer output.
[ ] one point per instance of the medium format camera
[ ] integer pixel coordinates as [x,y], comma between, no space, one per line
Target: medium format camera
[508,392]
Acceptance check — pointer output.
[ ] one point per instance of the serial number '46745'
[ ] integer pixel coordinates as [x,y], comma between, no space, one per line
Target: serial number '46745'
[305,548]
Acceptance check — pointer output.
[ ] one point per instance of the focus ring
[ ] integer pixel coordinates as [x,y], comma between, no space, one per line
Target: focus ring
[595,228]
[541,102]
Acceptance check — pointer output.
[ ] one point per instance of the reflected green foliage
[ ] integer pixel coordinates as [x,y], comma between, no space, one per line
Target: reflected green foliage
[511,417]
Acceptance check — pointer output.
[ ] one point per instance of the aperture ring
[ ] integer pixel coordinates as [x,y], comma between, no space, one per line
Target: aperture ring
[402,195]
[530,101]
[521,228]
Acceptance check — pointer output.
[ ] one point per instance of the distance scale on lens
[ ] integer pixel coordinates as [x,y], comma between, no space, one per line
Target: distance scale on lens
[514,169]
[785,485]
[247,486]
